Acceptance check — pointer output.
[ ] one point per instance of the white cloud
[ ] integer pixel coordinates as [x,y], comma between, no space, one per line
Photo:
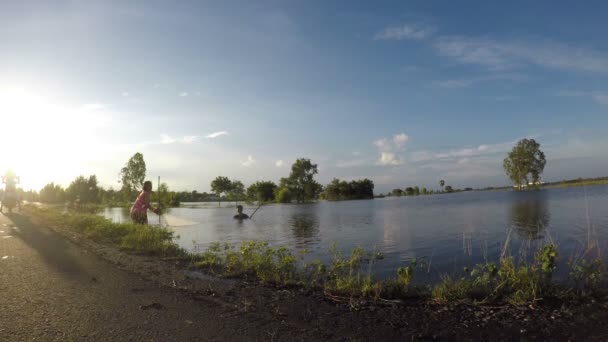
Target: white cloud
[388,158]
[166,139]
[495,54]
[467,82]
[125,94]
[400,140]
[382,144]
[216,134]
[464,155]
[279,163]
[388,149]
[197,93]
[184,94]
[189,139]
[404,32]
[250,161]
[93,106]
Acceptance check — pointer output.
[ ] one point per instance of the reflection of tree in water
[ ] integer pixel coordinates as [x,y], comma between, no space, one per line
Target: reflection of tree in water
[304,226]
[530,216]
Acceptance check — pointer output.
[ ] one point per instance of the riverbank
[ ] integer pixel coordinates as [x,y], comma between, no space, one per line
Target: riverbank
[247,276]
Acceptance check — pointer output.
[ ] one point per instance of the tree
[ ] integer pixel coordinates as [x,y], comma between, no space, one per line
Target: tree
[339,190]
[525,160]
[397,192]
[441,184]
[425,191]
[52,194]
[301,183]
[165,197]
[237,191]
[283,195]
[410,191]
[416,190]
[221,185]
[83,190]
[261,191]
[133,174]
[448,188]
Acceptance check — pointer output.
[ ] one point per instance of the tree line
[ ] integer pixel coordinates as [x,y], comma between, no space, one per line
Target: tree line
[300,186]
[523,165]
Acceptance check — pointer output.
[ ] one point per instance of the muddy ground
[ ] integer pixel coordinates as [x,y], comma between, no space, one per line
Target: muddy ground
[56,285]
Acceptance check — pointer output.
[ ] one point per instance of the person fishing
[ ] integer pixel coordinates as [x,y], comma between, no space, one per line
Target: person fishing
[240,215]
[139,210]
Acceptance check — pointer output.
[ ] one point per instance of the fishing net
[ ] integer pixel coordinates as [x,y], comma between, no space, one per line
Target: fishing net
[174,221]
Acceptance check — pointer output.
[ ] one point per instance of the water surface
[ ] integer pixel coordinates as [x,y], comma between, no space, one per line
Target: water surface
[443,232]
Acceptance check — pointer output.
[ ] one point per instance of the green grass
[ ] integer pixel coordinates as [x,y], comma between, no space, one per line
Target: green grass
[348,276]
[127,236]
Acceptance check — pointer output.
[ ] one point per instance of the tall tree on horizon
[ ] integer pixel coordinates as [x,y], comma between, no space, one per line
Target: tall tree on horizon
[525,160]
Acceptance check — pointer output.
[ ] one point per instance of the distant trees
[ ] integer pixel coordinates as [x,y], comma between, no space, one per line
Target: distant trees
[133,175]
[52,193]
[221,185]
[237,191]
[441,184]
[342,190]
[300,183]
[83,190]
[448,189]
[261,191]
[525,160]
[397,192]
[283,195]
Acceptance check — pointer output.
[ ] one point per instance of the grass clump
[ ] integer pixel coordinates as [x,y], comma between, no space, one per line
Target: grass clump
[272,265]
[506,282]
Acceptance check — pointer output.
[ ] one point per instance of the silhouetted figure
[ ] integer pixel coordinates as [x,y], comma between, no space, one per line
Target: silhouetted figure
[240,215]
[11,197]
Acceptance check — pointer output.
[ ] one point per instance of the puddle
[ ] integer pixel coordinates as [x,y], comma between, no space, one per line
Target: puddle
[8,236]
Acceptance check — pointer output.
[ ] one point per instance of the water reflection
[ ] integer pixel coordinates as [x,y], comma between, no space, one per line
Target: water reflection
[530,215]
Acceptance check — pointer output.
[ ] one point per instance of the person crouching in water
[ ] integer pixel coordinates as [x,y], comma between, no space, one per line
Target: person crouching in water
[139,210]
[239,215]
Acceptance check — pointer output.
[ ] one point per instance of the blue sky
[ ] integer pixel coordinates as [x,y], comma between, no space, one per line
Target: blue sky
[404,93]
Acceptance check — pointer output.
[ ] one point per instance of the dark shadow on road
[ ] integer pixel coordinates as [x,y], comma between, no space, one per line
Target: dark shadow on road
[54,250]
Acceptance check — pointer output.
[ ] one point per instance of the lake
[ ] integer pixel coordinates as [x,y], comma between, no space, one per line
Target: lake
[443,232]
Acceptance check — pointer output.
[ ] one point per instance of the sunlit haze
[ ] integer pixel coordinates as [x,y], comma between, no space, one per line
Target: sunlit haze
[404,95]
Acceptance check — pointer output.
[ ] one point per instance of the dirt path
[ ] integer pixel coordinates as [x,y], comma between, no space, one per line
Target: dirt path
[51,289]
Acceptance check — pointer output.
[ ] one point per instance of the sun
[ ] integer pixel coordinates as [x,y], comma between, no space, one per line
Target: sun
[39,139]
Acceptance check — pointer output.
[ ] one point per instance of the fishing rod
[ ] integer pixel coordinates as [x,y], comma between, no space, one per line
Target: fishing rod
[261,204]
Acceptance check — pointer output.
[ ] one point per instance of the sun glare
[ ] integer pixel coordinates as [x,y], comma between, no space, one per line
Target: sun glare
[42,141]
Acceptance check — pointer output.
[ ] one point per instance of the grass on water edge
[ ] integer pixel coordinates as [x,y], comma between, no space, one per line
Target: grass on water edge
[349,276]
[128,236]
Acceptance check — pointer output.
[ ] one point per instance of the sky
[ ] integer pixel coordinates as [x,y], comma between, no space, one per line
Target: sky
[402,92]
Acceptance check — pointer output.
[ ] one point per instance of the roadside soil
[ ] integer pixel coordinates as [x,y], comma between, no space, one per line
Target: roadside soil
[57,285]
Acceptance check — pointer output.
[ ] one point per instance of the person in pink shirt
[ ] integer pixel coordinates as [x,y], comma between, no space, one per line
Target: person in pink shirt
[139,210]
